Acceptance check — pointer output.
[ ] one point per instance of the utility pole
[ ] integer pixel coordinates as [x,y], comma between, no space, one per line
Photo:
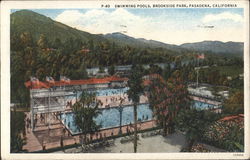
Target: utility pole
[197,78]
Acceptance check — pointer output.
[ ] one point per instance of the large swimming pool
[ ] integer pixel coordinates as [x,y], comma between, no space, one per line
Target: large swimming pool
[110,118]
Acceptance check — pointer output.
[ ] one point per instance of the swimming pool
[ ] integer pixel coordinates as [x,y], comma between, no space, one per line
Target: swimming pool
[110,118]
[203,106]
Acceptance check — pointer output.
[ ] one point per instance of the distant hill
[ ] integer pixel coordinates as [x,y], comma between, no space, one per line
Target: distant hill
[216,47]
[140,42]
[37,24]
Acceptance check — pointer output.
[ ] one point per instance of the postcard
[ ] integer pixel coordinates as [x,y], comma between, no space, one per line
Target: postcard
[125,80]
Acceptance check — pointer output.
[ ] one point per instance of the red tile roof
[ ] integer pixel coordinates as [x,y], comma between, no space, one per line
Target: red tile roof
[46,84]
[229,118]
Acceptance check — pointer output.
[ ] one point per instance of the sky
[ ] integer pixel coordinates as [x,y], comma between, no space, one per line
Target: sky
[168,25]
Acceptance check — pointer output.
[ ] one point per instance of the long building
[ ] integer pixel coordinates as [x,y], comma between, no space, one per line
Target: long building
[51,96]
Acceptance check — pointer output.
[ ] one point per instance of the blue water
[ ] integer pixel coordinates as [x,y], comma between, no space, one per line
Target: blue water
[101,92]
[203,106]
[110,92]
[110,118]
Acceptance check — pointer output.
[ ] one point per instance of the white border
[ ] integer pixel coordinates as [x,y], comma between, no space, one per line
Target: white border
[5,83]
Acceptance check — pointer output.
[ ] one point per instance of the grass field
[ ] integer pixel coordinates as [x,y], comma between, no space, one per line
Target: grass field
[230,70]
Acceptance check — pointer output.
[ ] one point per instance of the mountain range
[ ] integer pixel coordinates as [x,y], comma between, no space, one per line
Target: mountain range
[37,24]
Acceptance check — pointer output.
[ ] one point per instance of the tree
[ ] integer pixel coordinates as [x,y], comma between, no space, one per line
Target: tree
[235,103]
[194,122]
[111,70]
[42,42]
[85,110]
[17,130]
[57,43]
[155,69]
[134,92]
[167,98]
[101,69]
[166,71]
[26,39]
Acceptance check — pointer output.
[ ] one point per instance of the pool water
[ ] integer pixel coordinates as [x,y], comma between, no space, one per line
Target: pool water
[110,118]
[101,92]
[111,91]
[203,106]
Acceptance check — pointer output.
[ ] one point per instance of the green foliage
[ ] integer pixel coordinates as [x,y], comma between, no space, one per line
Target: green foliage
[101,70]
[85,110]
[193,122]
[42,42]
[154,69]
[167,97]
[228,135]
[36,24]
[235,103]
[218,75]
[17,129]
[111,70]
[166,73]
[135,83]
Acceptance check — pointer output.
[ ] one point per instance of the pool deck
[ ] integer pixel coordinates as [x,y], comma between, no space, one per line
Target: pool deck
[51,138]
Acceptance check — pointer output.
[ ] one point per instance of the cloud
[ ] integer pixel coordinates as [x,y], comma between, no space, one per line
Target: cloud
[161,27]
[222,16]
[69,17]
[99,21]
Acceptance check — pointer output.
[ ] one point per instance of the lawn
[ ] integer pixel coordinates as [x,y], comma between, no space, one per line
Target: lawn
[232,71]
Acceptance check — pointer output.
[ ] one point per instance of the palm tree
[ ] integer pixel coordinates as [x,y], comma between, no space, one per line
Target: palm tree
[134,92]
[85,110]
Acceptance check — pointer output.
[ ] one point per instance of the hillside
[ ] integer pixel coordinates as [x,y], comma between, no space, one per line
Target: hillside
[37,24]
[140,42]
[235,48]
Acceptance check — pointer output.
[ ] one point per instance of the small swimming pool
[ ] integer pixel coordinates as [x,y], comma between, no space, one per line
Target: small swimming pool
[110,118]
[203,106]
